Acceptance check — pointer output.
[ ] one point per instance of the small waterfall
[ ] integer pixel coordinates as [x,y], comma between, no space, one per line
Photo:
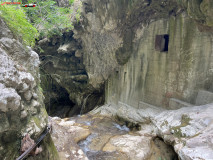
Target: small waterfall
[84,104]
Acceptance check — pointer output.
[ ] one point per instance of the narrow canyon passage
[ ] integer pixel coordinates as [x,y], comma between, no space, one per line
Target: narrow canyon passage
[116,79]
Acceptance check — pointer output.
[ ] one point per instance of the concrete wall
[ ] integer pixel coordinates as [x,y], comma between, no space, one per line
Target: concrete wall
[154,77]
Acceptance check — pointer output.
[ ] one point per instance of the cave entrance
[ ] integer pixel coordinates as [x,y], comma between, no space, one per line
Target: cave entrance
[162,43]
[59,104]
[57,101]
[162,151]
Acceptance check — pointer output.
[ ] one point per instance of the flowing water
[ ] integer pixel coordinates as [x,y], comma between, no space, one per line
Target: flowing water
[104,138]
[102,130]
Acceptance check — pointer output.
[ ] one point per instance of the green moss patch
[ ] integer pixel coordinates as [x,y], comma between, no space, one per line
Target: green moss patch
[177,129]
[164,123]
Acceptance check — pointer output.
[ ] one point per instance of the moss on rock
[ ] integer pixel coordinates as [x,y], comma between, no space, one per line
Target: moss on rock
[185,121]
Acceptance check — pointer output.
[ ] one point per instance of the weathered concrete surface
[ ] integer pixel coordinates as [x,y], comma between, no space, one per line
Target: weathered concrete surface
[189,129]
[21,100]
[201,11]
[154,77]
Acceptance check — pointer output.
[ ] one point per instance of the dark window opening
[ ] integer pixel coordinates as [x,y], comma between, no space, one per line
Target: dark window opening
[162,42]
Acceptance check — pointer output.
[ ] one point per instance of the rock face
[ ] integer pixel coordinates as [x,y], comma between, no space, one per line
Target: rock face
[66,134]
[146,54]
[64,77]
[188,129]
[103,138]
[147,51]
[102,40]
[21,101]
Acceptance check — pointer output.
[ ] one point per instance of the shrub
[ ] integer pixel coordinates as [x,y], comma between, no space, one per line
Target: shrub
[50,19]
[16,20]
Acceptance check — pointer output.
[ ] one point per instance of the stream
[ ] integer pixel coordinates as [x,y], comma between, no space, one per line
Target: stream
[102,130]
[96,137]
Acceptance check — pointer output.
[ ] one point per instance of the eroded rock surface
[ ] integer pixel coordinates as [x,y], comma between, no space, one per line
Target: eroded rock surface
[112,46]
[188,129]
[102,138]
[66,134]
[21,101]
[102,41]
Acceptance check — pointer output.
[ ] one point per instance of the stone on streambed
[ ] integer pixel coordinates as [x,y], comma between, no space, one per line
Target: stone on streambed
[135,147]
[66,134]
[98,142]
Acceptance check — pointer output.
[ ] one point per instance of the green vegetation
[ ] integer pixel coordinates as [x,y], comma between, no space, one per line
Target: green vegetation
[78,15]
[71,1]
[50,19]
[44,20]
[177,129]
[15,18]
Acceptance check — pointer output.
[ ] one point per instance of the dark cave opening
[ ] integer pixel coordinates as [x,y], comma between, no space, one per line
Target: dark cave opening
[57,99]
[61,105]
[163,150]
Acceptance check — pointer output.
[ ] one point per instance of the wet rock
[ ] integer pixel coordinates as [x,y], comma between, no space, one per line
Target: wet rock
[135,147]
[188,129]
[99,142]
[66,133]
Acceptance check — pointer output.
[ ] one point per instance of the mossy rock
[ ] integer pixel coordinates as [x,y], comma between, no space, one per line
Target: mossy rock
[185,121]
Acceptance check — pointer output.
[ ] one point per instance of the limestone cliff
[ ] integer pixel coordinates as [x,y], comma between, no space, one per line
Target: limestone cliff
[21,101]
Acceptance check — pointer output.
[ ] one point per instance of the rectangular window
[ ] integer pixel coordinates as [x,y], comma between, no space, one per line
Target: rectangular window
[162,43]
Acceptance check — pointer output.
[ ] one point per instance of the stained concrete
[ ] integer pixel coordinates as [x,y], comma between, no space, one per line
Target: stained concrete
[154,77]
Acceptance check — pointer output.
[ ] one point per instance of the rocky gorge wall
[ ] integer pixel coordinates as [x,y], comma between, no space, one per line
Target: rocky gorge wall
[21,101]
[102,40]
[112,53]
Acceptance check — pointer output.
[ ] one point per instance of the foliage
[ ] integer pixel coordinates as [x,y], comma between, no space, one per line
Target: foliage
[71,1]
[78,15]
[15,18]
[50,19]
